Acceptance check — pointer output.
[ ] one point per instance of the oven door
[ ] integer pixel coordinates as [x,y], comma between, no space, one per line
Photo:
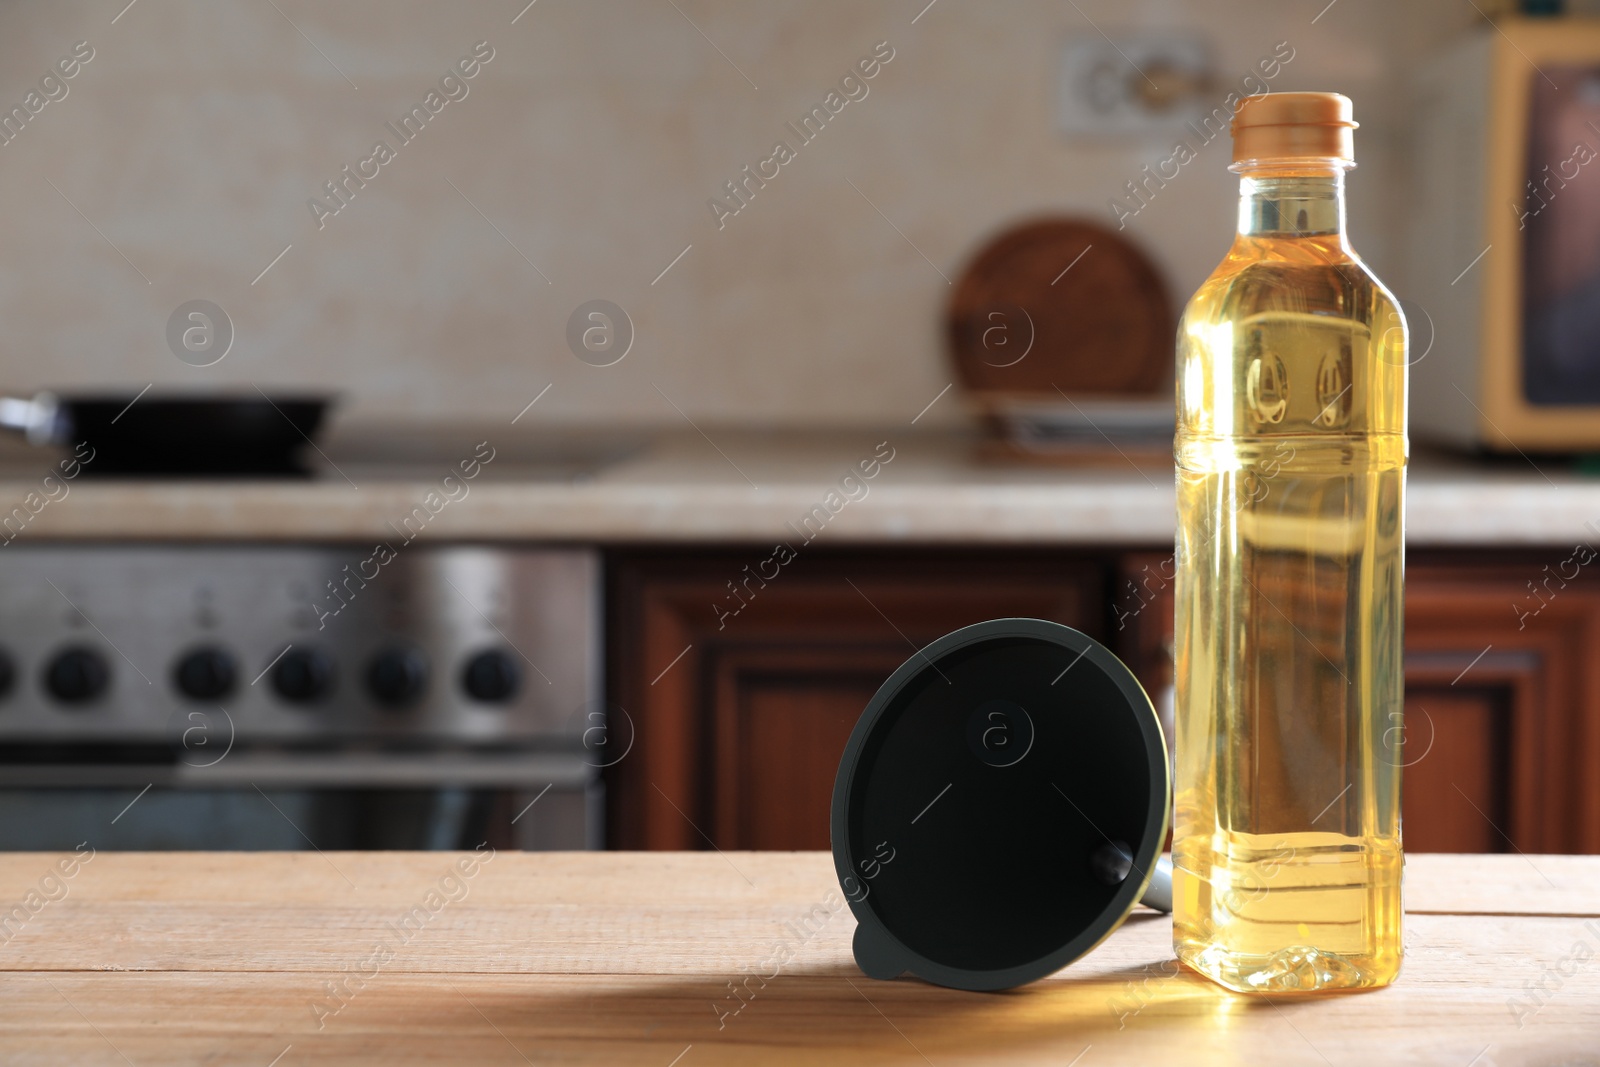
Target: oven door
[128,799]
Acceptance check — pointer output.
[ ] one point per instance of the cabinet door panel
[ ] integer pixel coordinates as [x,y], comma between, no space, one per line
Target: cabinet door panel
[1457,782]
[741,717]
[1503,708]
[781,723]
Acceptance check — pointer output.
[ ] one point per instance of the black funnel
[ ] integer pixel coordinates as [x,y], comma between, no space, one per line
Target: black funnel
[1001,807]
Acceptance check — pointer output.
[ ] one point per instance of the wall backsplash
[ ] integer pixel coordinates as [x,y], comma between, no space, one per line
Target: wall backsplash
[571,157]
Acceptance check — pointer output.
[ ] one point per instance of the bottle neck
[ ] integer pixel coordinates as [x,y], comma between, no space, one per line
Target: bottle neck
[1287,203]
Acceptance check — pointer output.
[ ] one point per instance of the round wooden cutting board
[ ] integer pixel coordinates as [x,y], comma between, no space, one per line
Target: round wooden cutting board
[1060,303]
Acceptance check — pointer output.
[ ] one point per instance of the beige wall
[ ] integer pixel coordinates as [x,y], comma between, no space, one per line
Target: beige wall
[593,139]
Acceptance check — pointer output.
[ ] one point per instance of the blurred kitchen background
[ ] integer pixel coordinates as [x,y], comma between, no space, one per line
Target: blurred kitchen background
[592,141]
[582,406]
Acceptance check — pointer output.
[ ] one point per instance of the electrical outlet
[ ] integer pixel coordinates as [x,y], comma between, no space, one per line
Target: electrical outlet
[1137,85]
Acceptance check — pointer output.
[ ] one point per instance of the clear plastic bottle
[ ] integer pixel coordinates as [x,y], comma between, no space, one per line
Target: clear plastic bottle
[1291,453]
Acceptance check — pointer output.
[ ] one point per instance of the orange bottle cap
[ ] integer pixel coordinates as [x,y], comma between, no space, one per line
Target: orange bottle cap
[1289,126]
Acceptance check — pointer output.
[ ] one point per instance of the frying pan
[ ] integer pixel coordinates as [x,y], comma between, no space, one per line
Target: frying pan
[173,435]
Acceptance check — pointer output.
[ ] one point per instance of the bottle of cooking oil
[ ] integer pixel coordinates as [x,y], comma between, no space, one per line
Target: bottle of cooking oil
[1291,453]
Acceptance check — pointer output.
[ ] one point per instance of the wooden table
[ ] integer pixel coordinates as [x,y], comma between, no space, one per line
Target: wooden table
[630,958]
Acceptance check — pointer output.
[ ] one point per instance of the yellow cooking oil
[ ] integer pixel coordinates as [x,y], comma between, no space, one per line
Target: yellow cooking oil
[1291,454]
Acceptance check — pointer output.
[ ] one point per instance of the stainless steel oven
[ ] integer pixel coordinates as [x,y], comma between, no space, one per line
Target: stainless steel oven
[290,696]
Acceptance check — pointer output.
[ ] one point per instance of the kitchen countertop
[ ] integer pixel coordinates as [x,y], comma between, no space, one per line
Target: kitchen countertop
[628,958]
[745,487]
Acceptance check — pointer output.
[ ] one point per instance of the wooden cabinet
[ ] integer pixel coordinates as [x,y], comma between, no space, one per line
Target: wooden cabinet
[1502,740]
[740,719]
[742,690]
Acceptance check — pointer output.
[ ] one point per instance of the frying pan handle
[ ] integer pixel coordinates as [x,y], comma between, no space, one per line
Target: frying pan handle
[41,420]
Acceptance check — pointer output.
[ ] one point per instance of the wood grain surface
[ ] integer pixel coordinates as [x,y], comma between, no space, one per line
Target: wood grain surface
[627,958]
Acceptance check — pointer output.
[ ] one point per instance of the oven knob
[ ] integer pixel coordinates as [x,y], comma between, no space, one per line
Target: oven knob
[205,674]
[303,676]
[398,676]
[491,677]
[77,675]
